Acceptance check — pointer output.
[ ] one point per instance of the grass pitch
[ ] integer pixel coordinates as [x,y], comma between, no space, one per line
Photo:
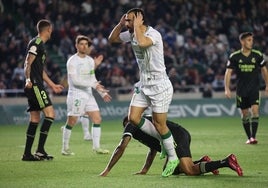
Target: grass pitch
[216,137]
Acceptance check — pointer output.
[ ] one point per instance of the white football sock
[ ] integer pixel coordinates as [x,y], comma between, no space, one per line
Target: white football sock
[168,144]
[150,129]
[85,126]
[96,134]
[66,134]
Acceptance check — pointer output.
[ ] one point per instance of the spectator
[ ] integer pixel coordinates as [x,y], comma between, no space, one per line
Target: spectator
[174,78]
[205,31]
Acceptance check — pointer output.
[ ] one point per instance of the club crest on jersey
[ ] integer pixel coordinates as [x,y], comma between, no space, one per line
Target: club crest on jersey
[253,60]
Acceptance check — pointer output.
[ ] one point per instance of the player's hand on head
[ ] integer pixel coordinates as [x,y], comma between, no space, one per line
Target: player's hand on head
[138,19]
[123,20]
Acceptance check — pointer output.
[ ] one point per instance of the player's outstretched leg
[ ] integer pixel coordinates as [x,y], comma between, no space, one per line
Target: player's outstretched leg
[207,159]
[233,164]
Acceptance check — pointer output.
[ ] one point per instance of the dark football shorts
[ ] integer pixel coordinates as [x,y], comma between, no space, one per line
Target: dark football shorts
[247,102]
[38,98]
[183,142]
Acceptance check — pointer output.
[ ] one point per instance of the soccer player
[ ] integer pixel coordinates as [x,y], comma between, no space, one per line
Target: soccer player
[154,88]
[38,97]
[80,100]
[247,63]
[182,138]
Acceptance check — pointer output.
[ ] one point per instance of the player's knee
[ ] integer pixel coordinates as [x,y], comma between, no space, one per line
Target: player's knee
[49,112]
[35,119]
[134,119]
[96,120]
[189,172]
[72,120]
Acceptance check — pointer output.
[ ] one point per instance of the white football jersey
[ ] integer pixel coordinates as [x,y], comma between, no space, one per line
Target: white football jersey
[151,59]
[81,75]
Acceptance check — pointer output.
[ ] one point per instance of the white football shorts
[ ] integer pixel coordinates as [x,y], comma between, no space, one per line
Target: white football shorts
[77,104]
[158,96]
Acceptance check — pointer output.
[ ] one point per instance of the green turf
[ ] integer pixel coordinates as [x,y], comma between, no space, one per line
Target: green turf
[216,137]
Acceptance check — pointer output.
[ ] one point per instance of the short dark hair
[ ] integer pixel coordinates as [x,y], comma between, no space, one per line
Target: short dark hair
[42,24]
[135,11]
[245,35]
[83,37]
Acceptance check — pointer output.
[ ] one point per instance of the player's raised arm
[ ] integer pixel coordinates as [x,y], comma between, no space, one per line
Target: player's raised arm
[114,35]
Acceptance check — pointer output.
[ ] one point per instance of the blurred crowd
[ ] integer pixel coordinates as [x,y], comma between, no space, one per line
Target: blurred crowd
[198,36]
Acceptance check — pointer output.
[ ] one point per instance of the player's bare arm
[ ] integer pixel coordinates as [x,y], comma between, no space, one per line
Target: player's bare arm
[265,77]
[114,35]
[117,154]
[57,88]
[139,30]
[27,69]
[148,162]
[227,79]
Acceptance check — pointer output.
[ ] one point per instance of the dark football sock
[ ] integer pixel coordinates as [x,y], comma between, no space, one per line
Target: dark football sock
[246,125]
[30,134]
[212,165]
[254,125]
[198,161]
[43,133]
[68,127]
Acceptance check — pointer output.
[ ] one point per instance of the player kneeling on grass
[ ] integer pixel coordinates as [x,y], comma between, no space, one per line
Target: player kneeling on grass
[182,138]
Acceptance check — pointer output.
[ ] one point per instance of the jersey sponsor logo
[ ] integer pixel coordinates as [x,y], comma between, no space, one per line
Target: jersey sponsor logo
[246,68]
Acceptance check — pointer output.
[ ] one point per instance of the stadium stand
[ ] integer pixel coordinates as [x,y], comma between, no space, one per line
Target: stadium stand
[198,37]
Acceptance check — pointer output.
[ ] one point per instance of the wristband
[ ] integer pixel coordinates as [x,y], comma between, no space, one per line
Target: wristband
[28,80]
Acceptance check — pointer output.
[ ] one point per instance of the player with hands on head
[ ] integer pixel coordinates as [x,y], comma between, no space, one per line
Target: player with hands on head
[183,139]
[154,88]
[247,63]
[38,98]
[80,99]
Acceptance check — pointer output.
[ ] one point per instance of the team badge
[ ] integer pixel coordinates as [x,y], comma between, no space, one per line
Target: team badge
[253,60]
